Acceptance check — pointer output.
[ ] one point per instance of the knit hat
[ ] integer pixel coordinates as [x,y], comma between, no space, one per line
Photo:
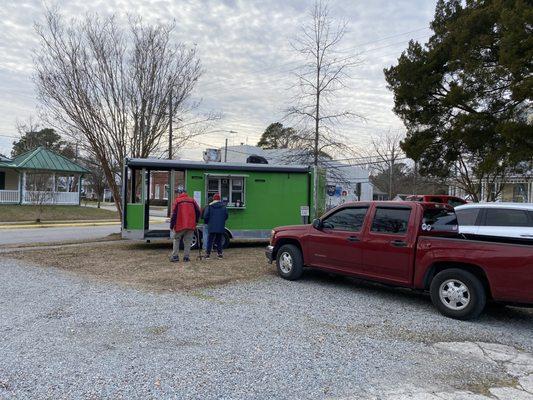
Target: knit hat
[216,197]
[180,189]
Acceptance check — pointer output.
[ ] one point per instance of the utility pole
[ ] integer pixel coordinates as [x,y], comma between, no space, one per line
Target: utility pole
[170,125]
[169,194]
[415,190]
[226,151]
[390,178]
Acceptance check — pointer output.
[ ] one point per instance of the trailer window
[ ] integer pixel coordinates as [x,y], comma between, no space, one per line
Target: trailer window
[231,190]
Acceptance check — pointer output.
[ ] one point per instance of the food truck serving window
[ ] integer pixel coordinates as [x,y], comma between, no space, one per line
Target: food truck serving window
[231,189]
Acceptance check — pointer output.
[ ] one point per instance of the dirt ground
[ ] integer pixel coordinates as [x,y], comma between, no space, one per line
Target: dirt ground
[146,265]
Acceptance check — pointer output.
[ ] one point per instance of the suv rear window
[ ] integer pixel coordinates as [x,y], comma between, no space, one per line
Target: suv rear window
[439,219]
[507,217]
[467,216]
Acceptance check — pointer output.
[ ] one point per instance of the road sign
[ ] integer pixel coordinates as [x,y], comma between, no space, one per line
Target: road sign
[304,211]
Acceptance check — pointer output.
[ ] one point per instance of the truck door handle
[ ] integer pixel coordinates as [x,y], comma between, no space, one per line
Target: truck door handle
[398,243]
[352,239]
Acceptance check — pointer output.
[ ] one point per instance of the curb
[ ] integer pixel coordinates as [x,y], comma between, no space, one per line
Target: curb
[61,221]
[64,225]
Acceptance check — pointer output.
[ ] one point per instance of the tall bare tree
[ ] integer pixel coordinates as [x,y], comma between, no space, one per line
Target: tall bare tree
[386,148]
[323,73]
[111,85]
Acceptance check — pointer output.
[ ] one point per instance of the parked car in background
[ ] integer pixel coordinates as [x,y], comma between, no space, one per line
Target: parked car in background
[496,219]
[413,245]
[437,198]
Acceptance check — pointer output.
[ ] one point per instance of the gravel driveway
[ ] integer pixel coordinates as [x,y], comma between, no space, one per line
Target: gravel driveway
[62,336]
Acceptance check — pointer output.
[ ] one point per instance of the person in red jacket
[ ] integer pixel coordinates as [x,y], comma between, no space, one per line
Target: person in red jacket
[185,216]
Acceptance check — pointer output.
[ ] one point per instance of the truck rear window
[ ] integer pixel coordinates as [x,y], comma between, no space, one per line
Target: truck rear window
[439,219]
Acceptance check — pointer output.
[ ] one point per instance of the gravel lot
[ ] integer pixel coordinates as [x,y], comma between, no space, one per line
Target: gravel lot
[63,336]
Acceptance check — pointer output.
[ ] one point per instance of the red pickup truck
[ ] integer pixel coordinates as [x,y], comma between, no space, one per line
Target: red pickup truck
[410,244]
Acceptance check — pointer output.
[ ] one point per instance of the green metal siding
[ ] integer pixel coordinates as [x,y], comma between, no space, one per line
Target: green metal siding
[268,204]
[135,214]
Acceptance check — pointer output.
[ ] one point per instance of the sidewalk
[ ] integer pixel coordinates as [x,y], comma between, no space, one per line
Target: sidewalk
[63,224]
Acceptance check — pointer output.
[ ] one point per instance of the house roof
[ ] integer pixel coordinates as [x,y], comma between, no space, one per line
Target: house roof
[44,160]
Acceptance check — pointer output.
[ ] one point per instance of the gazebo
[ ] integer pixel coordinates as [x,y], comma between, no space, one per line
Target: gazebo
[40,176]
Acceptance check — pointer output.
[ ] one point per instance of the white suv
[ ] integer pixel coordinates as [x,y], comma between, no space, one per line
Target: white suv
[496,219]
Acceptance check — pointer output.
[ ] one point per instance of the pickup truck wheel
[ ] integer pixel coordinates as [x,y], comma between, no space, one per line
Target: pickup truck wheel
[289,262]
[458,294]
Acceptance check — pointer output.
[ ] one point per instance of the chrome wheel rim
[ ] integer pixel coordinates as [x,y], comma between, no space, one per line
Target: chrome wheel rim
[454,294]
[193,241]
[285,262]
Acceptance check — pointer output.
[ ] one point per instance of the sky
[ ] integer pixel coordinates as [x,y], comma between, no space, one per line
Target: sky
[244,47]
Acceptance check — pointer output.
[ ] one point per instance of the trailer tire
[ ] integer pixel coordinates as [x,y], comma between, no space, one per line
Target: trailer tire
[194,243]
[289,262]
[458,294]
[225,240]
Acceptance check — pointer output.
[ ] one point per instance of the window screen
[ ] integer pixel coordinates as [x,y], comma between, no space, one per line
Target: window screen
[391,220]
[231,190]
[506,217]
[467,216]
[346,219]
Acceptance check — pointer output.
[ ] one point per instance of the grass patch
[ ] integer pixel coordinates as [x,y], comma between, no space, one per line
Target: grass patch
[24,213]
[147,266]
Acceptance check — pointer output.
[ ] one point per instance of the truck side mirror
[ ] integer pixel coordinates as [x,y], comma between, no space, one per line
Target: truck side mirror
[317,224]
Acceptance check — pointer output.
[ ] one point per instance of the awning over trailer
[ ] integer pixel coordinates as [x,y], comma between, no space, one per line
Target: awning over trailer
[161,165]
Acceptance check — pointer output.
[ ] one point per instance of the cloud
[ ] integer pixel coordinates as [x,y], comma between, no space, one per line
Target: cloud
[244,47]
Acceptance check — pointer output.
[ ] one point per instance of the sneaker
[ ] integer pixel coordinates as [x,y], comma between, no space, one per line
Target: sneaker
[207,257]
[220,256]
[186,259]
[174,259]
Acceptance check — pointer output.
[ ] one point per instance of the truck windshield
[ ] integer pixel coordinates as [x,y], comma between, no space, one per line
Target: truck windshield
[439,219]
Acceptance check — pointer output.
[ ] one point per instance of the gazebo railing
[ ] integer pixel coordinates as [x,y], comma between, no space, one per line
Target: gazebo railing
[43,197]
[9,196]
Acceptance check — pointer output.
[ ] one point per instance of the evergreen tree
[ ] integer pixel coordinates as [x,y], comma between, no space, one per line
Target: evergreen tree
[465,96]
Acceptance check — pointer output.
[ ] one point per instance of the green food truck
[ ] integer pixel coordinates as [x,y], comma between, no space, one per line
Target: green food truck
[259,197]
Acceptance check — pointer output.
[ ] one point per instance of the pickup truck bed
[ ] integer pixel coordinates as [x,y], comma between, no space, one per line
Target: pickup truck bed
[410,244]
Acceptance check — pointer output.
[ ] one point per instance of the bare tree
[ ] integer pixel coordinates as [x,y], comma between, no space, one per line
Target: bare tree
[40,193]
[321,76]
[386,148]
[112,85]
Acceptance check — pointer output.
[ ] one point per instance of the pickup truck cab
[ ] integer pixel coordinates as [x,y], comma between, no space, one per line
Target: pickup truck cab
[409,244]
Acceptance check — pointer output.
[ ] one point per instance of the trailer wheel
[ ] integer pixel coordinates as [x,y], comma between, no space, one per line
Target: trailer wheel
[194,242]
[289,262]
[225,240]
[458,294]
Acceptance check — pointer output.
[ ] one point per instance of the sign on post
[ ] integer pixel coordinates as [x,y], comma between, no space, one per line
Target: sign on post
[304,211]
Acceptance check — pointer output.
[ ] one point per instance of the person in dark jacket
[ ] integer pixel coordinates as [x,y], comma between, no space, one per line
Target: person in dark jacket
[215,216]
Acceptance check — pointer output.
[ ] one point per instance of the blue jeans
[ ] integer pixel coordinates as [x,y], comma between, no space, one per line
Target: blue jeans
[205,237]
[215,238]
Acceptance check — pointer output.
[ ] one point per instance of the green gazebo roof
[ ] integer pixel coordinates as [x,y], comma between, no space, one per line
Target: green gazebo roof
[43,159]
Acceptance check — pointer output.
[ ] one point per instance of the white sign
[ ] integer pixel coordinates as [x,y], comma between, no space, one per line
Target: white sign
[304,211]
[198,198]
